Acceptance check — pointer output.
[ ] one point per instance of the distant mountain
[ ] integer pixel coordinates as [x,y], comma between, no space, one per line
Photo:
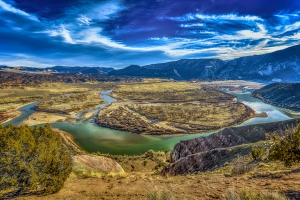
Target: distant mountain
[182,69]
[64,69]
[283,65]
[3,66]
[84,70]
[286,95]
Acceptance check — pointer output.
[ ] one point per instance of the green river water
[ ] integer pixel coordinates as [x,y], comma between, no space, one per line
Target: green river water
[93,138]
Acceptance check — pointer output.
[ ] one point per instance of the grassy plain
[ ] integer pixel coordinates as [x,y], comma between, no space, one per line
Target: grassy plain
[169,92]
[15,97]
[71,103]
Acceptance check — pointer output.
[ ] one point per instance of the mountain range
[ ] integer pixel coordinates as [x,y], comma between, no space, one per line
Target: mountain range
[283,65]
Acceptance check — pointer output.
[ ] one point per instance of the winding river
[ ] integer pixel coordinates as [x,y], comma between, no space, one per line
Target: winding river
[93,138]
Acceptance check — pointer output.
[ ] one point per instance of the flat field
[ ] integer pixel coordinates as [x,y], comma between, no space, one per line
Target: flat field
[169,92]
[14,97]
[70,103]
[43,118]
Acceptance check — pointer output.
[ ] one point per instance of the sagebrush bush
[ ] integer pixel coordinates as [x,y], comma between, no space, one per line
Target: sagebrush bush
[258,153]
[160,195]
[286,148]
[32,159]
[241,166]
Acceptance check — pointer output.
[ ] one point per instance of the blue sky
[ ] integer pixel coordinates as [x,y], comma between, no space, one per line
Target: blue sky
[118,33]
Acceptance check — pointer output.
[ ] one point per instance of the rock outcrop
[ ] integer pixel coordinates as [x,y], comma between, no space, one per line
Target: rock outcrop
[98,163]
[206,153]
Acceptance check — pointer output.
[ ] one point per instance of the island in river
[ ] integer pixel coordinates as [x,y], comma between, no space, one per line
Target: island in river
[172,108]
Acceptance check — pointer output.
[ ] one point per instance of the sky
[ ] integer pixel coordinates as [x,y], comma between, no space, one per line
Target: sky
[117,33]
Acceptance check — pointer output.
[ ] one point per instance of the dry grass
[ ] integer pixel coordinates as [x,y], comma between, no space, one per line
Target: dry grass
[160,195]
[15,97]
[43,118]
[184,118]
[169,92]
[251,194]
[71,103]
[198,114]
[138,185]
[241,166]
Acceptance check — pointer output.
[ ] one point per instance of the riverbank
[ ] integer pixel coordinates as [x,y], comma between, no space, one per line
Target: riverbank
[73,148]
[6,117]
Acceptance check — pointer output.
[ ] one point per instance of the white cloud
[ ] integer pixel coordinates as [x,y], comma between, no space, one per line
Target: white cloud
[191,25]
[62,32]
[228,17]
[102,11]
[10,8]
[84,20]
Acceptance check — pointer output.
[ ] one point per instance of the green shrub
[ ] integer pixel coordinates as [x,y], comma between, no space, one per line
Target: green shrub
[286,148]
[258,153]
[32,159]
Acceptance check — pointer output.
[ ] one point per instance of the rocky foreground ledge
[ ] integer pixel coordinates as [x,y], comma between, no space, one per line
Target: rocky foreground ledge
[207,153]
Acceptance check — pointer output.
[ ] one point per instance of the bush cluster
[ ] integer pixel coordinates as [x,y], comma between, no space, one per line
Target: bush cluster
[258,153]
[286,148]
[32,159]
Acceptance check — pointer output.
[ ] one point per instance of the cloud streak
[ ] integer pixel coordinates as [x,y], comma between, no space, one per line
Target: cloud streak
[119,33]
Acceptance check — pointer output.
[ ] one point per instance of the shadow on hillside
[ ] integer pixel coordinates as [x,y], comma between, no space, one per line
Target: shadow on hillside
[293,194]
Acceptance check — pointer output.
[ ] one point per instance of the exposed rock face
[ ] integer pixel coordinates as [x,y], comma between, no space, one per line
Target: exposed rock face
[198,162]
[206,153]
[98,163]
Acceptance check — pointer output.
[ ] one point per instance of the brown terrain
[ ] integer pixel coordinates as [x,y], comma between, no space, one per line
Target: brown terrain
[160,119]
[142,177]
[8,116]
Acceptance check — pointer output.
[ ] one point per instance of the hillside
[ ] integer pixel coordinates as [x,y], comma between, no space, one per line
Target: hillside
[285,95]
[84,70]
[26,79]
[182,69]
[282,65]
[212,152]
[61,69]
[266,177]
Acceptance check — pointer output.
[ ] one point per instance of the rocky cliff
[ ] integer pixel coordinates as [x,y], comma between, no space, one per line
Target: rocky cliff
[206,153]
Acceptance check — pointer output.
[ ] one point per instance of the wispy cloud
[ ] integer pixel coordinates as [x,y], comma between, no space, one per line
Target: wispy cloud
[126,33]
[228,17]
